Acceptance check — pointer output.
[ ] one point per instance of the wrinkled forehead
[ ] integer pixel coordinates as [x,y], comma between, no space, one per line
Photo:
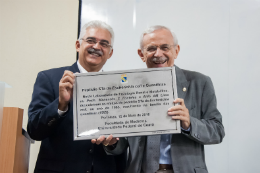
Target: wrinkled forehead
[158,37]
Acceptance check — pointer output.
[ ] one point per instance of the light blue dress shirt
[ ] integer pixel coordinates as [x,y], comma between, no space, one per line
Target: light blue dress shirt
[165,148]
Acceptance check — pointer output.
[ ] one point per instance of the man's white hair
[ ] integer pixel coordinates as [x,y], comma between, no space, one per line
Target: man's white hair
[155,28]
[96,24]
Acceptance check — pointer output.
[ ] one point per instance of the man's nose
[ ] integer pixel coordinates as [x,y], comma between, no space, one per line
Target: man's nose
[97,46]
[159,52]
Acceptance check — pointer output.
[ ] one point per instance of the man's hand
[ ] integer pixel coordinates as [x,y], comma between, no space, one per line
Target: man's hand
[105,141]
[65,89]
[180,112]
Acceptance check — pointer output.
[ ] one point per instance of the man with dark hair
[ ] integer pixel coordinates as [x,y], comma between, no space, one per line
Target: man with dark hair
[51,110]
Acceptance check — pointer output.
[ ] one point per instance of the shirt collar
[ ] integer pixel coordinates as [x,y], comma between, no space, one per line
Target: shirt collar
[82,70]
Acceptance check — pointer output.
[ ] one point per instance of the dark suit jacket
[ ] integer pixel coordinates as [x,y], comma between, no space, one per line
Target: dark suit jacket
[58,151]
[187,149]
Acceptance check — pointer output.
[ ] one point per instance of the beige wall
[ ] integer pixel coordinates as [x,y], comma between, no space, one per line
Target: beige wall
[34,35]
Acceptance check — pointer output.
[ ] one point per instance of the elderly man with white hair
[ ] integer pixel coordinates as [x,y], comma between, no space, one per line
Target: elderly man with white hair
[201,122]
[51,110]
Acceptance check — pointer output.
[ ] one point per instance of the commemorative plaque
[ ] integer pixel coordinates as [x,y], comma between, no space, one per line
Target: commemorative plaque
[124,103]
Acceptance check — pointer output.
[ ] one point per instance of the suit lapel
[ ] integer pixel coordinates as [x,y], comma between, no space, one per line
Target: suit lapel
[181,82]
[74,68]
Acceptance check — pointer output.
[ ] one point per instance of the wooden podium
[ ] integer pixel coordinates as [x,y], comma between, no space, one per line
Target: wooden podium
[14,143]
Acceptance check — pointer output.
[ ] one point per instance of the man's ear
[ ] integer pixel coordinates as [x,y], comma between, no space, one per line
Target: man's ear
[77,45]
[140,53]
[177,50]
[110,53]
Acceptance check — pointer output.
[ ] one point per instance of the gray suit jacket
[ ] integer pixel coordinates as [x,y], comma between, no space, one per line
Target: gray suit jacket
[187,149]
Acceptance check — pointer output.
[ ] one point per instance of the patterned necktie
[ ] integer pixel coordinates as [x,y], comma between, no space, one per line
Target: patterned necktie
[152,154]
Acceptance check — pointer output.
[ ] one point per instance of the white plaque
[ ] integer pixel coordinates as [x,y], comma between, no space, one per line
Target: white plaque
[124,103]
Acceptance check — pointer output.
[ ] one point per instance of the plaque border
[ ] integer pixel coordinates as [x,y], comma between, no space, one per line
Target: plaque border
[156,132]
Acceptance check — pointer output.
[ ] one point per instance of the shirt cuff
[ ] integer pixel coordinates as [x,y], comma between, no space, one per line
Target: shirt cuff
[188,130]
[61,113]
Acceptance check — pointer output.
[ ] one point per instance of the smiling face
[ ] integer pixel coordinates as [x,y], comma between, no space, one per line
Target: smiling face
[159,49]
[92,55]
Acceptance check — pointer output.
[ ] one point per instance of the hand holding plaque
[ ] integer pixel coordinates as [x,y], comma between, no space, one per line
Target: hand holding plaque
[180,112]
[65,89]
[110,140]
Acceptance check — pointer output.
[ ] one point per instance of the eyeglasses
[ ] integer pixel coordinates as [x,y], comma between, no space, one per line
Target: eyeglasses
[92,41]
[163,47]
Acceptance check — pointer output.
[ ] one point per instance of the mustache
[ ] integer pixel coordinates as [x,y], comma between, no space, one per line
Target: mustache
[92,50]
[159,59]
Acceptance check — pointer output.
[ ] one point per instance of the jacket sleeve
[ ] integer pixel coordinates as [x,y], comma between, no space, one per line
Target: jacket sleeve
[208,128]
[43,110]
[121,147]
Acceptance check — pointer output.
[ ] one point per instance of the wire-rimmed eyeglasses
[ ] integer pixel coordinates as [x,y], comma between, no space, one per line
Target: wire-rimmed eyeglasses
[102,43]
[163,47]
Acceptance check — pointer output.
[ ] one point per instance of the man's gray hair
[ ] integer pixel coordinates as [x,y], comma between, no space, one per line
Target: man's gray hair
[96,24]
[155,28]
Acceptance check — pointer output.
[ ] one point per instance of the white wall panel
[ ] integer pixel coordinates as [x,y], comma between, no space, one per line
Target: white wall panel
[219,38]
[244,82]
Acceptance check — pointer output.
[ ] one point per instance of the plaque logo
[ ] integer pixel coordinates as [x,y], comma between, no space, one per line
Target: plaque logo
[124,79]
